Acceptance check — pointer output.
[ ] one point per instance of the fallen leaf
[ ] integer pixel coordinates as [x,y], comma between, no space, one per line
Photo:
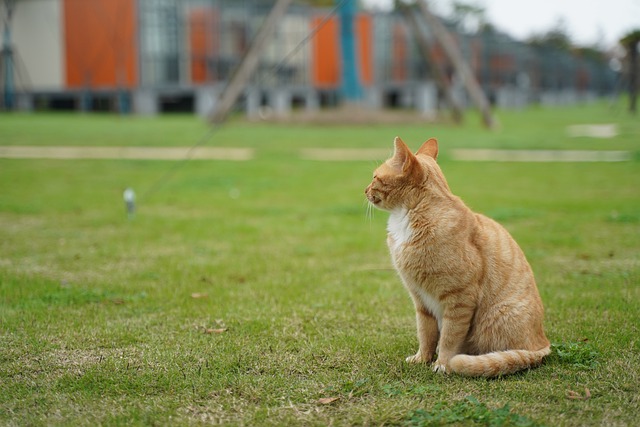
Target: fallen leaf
[214,331]
[577,396]
[197,295]
[327,400]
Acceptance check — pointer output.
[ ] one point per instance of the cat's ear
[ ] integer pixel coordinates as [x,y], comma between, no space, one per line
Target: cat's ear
[430,148]
[403,159]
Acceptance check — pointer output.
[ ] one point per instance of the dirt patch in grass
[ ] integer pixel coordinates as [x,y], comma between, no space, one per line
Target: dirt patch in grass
[606,130]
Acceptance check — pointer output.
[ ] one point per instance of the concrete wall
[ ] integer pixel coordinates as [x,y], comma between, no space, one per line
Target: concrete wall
[38,41]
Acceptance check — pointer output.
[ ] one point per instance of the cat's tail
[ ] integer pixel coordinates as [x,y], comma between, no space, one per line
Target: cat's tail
[497,363]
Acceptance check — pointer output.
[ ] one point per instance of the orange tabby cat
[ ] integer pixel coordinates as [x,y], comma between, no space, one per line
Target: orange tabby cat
[474,293]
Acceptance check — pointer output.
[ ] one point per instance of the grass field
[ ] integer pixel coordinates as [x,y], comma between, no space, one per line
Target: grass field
[259,293]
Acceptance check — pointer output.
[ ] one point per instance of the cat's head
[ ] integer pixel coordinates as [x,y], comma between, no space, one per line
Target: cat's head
[402,180]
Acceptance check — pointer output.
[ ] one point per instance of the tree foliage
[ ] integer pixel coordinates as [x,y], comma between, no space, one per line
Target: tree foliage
[469,17]
[319,3]
[557,37]
[632,37]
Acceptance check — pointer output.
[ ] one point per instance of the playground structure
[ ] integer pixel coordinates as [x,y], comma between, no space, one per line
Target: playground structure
[153,56]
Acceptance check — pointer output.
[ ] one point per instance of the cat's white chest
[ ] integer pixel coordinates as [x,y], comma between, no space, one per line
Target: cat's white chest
[399,228]
[400,232]
[431,304]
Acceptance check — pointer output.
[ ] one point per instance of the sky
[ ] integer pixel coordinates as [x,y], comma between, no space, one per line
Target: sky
[588,22]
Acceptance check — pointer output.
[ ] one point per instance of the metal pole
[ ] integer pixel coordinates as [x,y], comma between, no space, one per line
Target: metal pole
[7,56]
[461,66]
[351,89]
[428,55]
[249,63]
[632,48]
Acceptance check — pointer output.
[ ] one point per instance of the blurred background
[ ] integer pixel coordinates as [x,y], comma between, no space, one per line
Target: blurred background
[149,57]
[158,270]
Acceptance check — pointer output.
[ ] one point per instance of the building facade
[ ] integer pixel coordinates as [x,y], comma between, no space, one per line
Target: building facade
[153,56]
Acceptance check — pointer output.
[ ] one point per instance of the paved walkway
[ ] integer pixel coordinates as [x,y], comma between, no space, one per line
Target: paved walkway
[318,154]
[128,153]
[486,155]
[474,155]
[606,130]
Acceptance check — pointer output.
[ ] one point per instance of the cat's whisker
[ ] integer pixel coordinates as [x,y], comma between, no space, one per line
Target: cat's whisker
[368,211]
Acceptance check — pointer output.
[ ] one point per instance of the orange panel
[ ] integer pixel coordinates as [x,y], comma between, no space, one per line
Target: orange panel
[198,45]
[100,43]
[326,65]
[399,53]
[365,36]
[203,23]
[582,78]
[326,52]
[200,27]
[438,54]
[502,63]
[476,58]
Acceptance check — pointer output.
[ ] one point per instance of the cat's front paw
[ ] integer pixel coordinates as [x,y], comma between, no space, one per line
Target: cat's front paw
[418,358]
[439,367]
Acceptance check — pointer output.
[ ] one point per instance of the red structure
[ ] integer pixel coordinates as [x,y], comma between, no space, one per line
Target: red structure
[100,40]
[326,54]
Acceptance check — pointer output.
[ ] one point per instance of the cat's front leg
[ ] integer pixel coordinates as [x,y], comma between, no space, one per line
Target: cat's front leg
[427,327]
[455,326]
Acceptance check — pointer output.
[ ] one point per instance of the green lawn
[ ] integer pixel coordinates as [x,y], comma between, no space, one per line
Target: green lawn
[260,293]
